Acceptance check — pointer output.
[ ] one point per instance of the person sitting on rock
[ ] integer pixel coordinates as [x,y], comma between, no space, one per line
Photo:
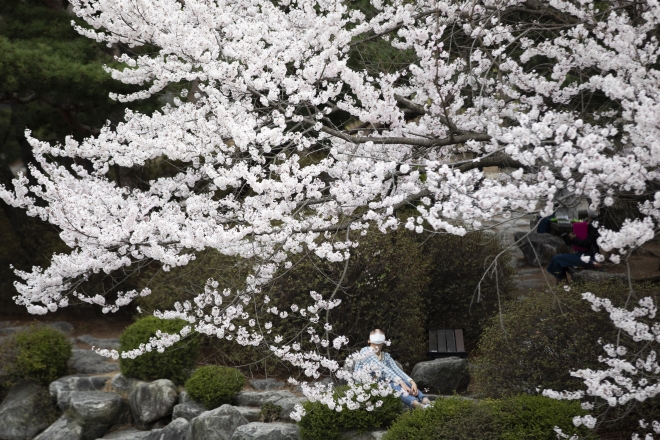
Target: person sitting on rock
[381,366]
[586,247]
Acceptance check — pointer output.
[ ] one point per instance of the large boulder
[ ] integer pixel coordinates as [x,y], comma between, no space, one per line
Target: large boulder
[88,362]
[96,411]
[267,431]
[442,376]
[62,388]
[217,424]
[65,428]
[26,411]
[152,401]
[251,413]
[539,249]
[286,399]
[258,398]
[122,384]
[109,343]
[266,384]
[127,434]
[179,429]
[187,410]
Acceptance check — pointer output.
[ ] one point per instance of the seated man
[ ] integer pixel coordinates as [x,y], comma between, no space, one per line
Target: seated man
[381,365]
[586,247]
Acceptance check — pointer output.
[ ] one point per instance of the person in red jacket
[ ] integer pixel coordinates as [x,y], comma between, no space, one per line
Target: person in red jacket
[588,248]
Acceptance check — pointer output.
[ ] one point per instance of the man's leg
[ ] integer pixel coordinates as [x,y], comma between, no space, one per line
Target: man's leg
[561,262]
[406,398]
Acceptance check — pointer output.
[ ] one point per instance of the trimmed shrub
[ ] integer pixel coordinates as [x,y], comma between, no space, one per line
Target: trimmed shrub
[175,363]
[547,335]
[520,417]
[322,423]
[214,386]
[38,353]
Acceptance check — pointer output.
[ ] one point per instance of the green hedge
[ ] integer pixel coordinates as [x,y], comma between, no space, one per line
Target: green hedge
[214,386]
[175,363]
[322,423]
[515,418]
[37,353]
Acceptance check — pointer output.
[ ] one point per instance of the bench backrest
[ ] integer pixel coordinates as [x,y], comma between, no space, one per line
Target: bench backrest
[446,341]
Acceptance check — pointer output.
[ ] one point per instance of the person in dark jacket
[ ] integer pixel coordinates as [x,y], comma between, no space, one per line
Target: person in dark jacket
[560,263]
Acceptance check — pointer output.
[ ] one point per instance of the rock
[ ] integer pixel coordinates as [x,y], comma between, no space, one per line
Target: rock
[179,429]
[188,410]
[286,399]
[266,384]
[258,398]
[444,375]
[96,411]
[586,275]
[65,428]
[267,431]
[122,384]
[88,362]
[62,388]
[250,413]
[369,435]
[288,405]
[543,246]
[62,326]
[184,397]
[152,401]
[110,343]
[25,411]
[217,424]
[127,434]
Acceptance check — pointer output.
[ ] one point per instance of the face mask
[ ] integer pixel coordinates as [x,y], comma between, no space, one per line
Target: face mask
[377,338]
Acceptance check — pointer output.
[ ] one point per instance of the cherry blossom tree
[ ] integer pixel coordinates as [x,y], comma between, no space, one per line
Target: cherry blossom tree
[285,140]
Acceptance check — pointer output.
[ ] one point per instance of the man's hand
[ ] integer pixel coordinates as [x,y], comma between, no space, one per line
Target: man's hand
[571,235]
[414,391]
[407,389]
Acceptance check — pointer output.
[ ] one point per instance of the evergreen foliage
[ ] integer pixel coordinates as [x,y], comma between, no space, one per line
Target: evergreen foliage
[514,418]
[175,363]
[323,423]
[214,386]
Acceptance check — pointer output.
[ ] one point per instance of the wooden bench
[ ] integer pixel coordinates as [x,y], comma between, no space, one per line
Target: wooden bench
[446,342]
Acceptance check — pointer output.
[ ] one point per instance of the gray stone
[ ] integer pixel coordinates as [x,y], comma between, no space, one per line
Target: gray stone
[122,384]
[266,384]
[217,424]
[443,376]
[127,434]
[62,388]
[288,405]
[585,276]
[24,412]
[258,398]
[188,410]
[184,397]
[109,343]
[65,428]
[152,401]
[88,362]
[62,326]
[267,431]
[539,249]
[96,411]
[250,413]
[179,429]
[369,435]
[286,399]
